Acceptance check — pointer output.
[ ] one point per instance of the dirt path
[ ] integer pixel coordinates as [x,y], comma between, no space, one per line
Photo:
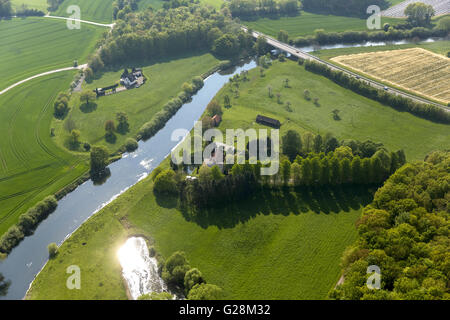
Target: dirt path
[80,67]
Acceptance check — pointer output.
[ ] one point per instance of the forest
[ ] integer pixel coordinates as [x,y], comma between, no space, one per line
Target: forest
[405,232]
[343,7]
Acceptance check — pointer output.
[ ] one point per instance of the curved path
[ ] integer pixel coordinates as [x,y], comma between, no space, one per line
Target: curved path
[83,21]
[80,67]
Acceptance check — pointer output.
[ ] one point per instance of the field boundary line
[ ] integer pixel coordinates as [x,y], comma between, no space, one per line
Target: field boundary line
[80,67]
[110,25]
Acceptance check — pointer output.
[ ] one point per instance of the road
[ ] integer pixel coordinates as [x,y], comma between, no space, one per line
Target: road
[301,54]
[80,67]
[83,21]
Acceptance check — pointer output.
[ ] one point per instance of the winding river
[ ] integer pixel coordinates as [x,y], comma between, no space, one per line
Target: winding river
[30,256]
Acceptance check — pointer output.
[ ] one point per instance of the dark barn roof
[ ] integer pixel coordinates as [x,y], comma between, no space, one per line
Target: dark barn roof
[268,121]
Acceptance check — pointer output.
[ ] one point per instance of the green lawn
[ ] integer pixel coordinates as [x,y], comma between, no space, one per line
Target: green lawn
[93,10]
[305,24]
[31,4]
[155,4]
[31,165]
[274,246]
[34,45]
[361,118]
[164,82]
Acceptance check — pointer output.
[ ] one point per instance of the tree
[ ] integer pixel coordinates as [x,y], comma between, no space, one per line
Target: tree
[315,170]
[285,171]
[291,144]
[335,174]
[110,127]
[318,143]
[444,24]
[205,291]
[205,175]
[346,171]
[74,138]
[306,172]
[86,96]
[269,90]
[88,74]
[357,177]
[216,173]
[175,269]
[261,46]
[122,120]
[227,101]
[192,278]
[331,145]
[366,171]
[99,159]
[4,285]
[307,94]
[165,182]
[131,144]
[296,173]
[325,172]
[52,250]
[283,36]
[226,46]
[214,108]
[419,14]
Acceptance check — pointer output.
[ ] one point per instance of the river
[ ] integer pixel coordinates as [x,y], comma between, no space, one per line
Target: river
[27,259]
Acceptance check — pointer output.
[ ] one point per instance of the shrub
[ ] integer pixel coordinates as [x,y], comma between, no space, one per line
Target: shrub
[205,291]
[131,144]
[165,182]
[52,250]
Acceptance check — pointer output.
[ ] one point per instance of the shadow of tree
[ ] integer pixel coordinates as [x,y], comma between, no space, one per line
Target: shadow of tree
[88,107]
[110,138]
[284,201]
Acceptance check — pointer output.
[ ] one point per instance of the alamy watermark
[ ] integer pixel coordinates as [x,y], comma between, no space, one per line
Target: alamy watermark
[374,21]
[260,147]
[374,280]
[74,280]
[74,19]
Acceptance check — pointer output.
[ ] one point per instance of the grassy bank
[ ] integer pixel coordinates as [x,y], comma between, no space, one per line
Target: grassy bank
[273,246]
[164,81]
[34,45]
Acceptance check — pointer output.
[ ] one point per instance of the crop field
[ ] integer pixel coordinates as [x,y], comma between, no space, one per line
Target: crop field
[31,165]
[306,23]
[34,45]
[165,79]
[416,70]
[32,4]
[93,10]
[440,6]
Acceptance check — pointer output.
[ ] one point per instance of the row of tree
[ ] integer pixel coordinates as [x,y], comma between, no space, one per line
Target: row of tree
[398,102]
[28,222]
[356,8]
[321,37]
[5,8]
[405,232]
[254,8]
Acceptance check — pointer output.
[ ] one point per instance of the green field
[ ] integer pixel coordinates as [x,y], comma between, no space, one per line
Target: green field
[274,246]
[31,4]
[34,45]
[361,118]
[441,47]
[164,82]
[92,10]
[31,165]
[306,23]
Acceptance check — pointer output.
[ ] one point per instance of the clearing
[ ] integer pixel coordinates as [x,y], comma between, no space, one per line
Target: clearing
[417,70]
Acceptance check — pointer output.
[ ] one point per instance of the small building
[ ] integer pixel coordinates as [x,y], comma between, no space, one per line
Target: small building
[268,121]
[133,78]
[216,119]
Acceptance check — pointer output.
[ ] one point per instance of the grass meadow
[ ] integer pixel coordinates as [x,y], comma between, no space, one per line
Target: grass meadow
[164,81]
[278,245]
[34,45]
[31,4]
[92,10]
[306,23]
[361,118]
[31,165]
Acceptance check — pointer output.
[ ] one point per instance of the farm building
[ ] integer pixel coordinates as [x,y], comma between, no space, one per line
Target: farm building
[268,121]
[133,78]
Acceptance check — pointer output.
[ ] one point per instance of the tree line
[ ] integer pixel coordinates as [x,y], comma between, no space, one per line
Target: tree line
[151,35]
[397,102]
[352,8]
[255,8]
[404,231]
[322,37]
[28,222]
